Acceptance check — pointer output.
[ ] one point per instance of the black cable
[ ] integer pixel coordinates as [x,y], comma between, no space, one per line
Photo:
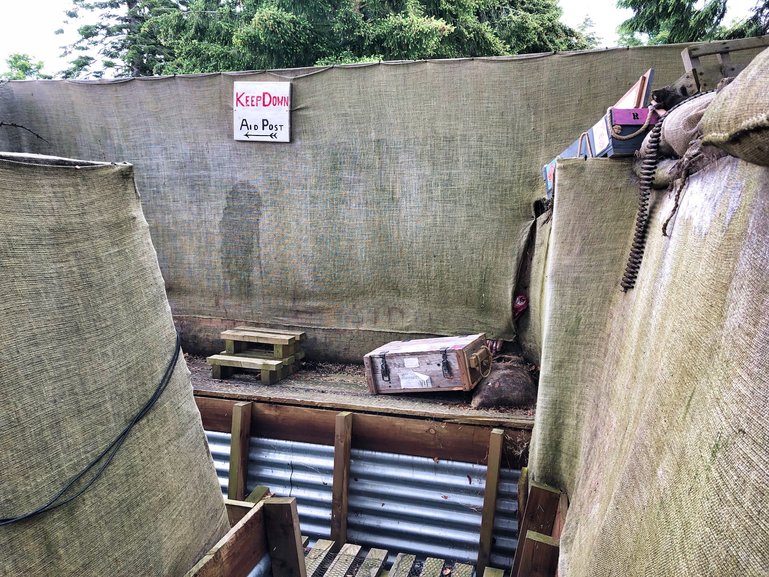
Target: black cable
[109,452]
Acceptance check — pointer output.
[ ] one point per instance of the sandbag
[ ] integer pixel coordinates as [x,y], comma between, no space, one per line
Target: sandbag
[680,126]
[86,337]
[652,403]
[510,384]
[738,119]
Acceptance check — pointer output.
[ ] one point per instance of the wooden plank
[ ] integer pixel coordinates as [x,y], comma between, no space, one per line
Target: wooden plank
[260,492]
[257,337]
[541,508]
[403,564]
[317,555]
[241,438]
[539,557]
[284,540]
[462,570]
[373,563]
[402,435]
[216,414]
[343,562]
[513,424]
[492,572]
[243,362]
[238,552]
[236,510]
[298,335]
[432,567]
[305,540]
[496,438]
[340,484]
[560,517]
[728,46]
[523,491]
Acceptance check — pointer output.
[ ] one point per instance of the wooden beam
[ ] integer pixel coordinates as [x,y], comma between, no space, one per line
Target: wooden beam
[541,509]
[216,414]
[341,479]
[492,572]
[496,438]
[241,438]
[236,510]
[252,336]
[238,552]
[560,517]
[539,556]
[284,539]
[403,435]
[523,492]
[259,493]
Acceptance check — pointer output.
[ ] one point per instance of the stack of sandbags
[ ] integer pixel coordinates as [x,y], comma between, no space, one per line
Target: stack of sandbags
[87,342]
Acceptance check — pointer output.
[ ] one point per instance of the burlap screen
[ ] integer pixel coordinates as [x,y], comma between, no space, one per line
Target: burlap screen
[401,205]
[86,335]
[652,410]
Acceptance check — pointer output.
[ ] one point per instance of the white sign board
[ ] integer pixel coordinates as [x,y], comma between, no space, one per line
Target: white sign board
[262,111]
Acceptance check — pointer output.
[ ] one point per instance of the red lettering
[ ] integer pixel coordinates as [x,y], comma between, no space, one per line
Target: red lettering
[238,96]
[267,98]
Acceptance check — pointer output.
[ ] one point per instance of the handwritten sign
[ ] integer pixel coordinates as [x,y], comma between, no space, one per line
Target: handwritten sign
[262,111]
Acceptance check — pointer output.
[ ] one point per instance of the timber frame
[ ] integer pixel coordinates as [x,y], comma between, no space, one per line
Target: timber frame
[478,442]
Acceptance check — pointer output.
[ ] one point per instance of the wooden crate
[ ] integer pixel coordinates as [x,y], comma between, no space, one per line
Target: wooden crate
[428,365]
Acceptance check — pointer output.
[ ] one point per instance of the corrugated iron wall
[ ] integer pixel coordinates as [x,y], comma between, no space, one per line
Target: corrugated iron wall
[398,502]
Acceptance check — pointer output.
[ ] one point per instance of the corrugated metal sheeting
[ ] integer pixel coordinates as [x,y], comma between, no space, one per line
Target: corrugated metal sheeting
[401,503]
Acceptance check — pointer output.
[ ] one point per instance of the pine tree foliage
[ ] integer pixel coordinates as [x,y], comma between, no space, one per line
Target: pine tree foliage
[145,37]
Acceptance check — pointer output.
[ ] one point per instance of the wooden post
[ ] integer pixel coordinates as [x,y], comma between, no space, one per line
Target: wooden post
[541,508]
[341,481]
[523,492]
[239,444]
[496,439]
[284,540]
[539,555]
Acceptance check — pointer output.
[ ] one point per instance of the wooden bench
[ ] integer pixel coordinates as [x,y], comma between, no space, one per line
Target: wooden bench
[275,354]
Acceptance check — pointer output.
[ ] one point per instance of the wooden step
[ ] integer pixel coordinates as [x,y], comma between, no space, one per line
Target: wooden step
[258,337]
[319,552]
[243,362]
[298,335]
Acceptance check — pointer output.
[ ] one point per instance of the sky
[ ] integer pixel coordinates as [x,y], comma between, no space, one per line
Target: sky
[28,26]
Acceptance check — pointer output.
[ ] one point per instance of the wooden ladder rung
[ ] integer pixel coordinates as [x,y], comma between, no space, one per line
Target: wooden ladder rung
[462,570]
[432,567]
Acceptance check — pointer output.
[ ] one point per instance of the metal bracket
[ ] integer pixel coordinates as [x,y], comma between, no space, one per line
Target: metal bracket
[384,369]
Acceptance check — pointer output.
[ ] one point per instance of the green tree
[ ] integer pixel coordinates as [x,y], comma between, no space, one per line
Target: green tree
[22,67]
[142,37]
[671,21]
[118,39]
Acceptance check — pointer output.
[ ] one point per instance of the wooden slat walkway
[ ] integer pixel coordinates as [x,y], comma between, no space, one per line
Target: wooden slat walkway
[326,559]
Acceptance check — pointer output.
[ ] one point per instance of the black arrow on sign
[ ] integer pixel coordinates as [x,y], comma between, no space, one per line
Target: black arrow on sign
[273,135]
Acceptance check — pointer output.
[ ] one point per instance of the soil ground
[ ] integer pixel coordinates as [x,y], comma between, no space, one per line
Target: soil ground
[343,386]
